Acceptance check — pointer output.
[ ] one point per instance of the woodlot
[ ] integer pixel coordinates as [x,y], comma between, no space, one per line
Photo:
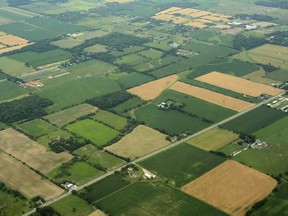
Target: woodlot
[212,97]
[231,187]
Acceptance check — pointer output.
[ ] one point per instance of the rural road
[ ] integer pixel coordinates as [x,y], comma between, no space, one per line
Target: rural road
[153,153]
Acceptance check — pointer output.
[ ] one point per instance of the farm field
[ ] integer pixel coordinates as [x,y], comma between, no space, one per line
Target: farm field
[213,140]
[171,122]
[77,91]
[153,89]
[10,90]
[154,199]
[91,68]
[134,79]
[115,121]
[168,70]
[151,54]
[98,48]
[141,141]
[266,54]
[78,172]
[254,120]
[182,163]
[103,188]
[98,133]
[262,77]
[195,106]
[30,152]
[19,177]
[97,213]
[275,135]
[128,105]
[12,40]
[68,115]
[36,128]
[13,67]
[94,156]
[281,75]
[212,97]
[59,133]
[38,59]
[72,206]
[67,43]
[131,60]
[238,84]
[231,187]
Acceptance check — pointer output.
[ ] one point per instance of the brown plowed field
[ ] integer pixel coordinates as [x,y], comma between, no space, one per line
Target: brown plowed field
[237,84]
[212,97]
[153,89]
[231,187]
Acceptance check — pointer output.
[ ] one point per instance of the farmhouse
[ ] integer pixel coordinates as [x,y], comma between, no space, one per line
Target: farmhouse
[149,176]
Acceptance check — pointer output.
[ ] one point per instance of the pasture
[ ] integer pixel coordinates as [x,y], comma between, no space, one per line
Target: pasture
[231,187]
[237,84]
[275,135]
[153,89]
[103,188]
[267,54]
[10,90]
[72,206]
[38,59]
[21,178]
[171,122]
[195,106]
[71,114]
[213,139]
[141,141]
[212,97]
[94,156]
[254,120]
[91,68]
[133,79]
[30,152]
[67,43]
[97,48]
[115,121]
[36,128]
[77,172]
[182,163]
[94,131]
[151,54]
[77,91]
[13,67]
[154,199]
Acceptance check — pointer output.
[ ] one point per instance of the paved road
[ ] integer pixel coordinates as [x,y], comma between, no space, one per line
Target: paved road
[154,153]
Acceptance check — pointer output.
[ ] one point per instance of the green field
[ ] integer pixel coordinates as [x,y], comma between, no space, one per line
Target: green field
[96,132]
[78,173]
[103,188]
[68,115]
[276,205]
[271,159]
[281,75]
[134,79]
[168,70]
[10,14]
[59,133]
[131,60]
[10,90]
[91,68]
[37,59]
[151,54]
[182,164]
[96,48]
[128,105]
[93,156]
[36,128]
[2,126]
[77,91]
[254,120]
[196,106]
[154,199]
[72,206]
[13,67]
[169,121]
[40,28]
[111,119]
[67,43]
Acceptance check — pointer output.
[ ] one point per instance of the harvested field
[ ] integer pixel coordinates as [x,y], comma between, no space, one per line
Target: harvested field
[186,11]
[196,24]
[8,49]
[141,141]
[213,139]
[153,89]
[212,97]
[199,14]
[11,40]
[231,187]
[169,10]
[19,177]
[97,213]
[32,153]
[237,84]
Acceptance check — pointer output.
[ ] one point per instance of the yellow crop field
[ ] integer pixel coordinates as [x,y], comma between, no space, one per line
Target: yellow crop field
[169,10]
[11,40]
[32,153]
[151,90]
[212,97]
[231,187]
[141,141]
[237,84]
[196,24]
